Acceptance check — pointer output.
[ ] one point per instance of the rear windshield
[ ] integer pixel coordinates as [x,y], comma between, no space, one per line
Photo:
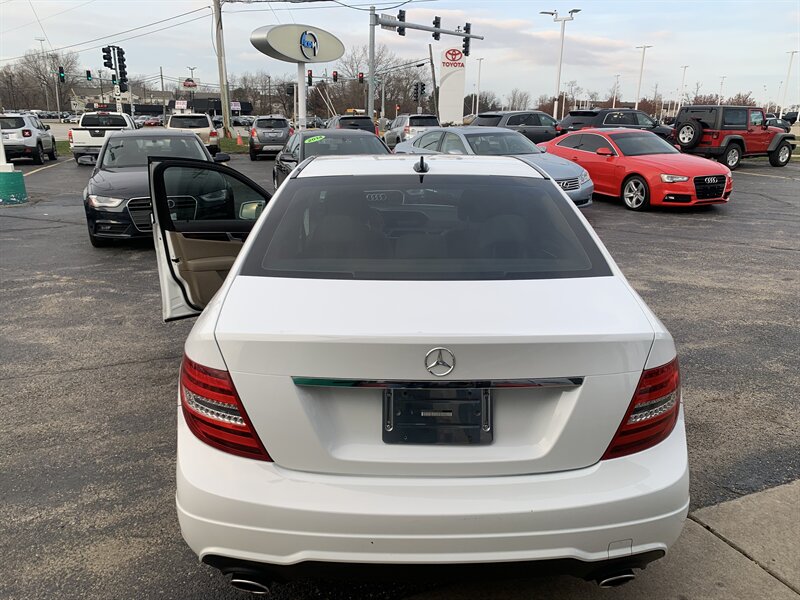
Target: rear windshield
[578,118]
[103,121]
[501,144]
[359,122]
[326,145]
[442,228]
[185,122]
[11,122]
[424,122]
[706,116]
[639,144]
[121,152]
[271,124]
[487,120]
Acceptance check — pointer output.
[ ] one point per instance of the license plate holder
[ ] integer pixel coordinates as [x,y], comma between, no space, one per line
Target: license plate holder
[444,416]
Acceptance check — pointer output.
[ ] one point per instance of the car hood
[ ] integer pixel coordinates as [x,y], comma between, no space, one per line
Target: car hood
[555,166]
[128,182]
[679,164]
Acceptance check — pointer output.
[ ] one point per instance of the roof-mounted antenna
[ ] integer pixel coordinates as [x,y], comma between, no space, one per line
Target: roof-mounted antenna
[421,167]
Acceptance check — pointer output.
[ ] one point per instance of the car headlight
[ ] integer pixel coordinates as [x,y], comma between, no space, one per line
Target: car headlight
[104,201]
[673,178]
[583,177]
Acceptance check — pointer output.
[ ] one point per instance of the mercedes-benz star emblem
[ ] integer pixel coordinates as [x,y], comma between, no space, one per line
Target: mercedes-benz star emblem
[440,361]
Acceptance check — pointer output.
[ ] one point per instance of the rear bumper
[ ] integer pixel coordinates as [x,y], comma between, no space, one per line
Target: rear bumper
[244,510]
[17,150]
[83,150]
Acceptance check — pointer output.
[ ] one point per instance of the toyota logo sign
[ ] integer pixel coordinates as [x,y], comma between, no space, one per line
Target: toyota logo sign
[454,54]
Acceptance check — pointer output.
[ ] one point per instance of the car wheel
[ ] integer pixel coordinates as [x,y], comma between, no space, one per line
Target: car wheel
[636,193]
[98,242]
[781,155]
[53,154]
[732,156]
[689,134]
[253,155]
[38,155]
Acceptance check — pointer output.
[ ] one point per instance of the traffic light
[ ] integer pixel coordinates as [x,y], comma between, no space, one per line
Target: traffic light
[310,80]
[467,29]
[421,89]
[122,70]
[88,75]
[62,78]
[415,92]
[401,16]
[335,76]
[437,22]
[360,77]
[113,79]
[107,60]
[123,86]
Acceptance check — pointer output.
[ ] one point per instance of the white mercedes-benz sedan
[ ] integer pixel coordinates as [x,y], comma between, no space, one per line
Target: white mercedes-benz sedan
[404,365]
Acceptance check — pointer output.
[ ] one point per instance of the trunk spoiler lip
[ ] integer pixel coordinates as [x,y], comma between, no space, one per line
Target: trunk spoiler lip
[539,382]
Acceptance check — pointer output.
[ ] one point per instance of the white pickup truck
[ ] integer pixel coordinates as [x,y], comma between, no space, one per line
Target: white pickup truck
[87,138]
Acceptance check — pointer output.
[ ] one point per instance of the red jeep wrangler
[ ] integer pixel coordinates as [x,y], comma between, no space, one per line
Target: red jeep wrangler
[728,133]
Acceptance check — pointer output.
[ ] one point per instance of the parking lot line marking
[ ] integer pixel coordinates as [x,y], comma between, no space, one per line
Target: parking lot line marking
[772,176]
[43,168]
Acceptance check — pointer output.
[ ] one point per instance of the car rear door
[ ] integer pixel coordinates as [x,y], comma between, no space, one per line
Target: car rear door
[202,215]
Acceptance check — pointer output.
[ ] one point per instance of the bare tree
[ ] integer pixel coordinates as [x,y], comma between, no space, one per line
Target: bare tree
[518,99]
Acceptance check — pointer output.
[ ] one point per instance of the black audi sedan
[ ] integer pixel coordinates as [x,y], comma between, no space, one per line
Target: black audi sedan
[323,142]
[117,197]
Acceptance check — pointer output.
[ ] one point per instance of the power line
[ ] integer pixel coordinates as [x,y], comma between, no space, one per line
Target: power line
[50,16]
[113,35]
[40,25]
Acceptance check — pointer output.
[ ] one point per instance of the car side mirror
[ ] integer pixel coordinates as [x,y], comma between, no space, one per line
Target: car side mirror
[604,152]
[542,148]
[287,157]
[221,157]
[47,126]
[249,211]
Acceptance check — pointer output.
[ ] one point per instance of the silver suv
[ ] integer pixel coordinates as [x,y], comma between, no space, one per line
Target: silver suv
[269,135]
[407,127]
[25,136]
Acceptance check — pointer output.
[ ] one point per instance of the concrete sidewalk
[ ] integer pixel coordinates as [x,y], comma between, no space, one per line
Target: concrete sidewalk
[746,549]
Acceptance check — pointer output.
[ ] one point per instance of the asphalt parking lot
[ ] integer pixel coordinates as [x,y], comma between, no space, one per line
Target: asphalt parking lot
[89,377]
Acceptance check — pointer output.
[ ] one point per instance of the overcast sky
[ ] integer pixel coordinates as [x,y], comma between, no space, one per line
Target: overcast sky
[745,41]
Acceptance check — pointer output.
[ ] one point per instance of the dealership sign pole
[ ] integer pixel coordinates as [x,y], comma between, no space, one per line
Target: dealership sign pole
[300,44]
[452,70]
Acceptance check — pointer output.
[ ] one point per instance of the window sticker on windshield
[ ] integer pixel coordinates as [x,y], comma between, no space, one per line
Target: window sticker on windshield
[313,139]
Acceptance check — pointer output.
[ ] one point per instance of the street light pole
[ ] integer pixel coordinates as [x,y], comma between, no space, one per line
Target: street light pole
[721,83]
[641,72]
[563,21]
[478,93]
[786,87]
[223,72]
[683,88]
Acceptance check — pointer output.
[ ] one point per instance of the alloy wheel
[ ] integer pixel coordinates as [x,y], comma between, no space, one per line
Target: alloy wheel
[685,134]
[783,154]
[634,193]
[732,157]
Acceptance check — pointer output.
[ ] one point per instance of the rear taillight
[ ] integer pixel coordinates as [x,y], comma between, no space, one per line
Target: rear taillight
[215,414]
[69,136]
[291,130]
[715,135]
[405,129]
[27,133]
[254,133]
[652,414]
[377,131]
[213,133]
[558,128]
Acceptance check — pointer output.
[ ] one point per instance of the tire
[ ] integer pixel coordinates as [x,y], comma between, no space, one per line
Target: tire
[688,134]
[253,155]
[732,156]
[53,154]
[636,193]
[38,157]
[98,242]
[781,155]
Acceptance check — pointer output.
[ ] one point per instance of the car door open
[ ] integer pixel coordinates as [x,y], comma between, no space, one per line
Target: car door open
[202,214]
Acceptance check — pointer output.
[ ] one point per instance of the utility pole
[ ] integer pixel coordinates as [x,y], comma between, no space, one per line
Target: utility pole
[100,79]
[163,97]
[683,89]
[721,83]
[46,69]
[641,72]
[786,87]
[478,93]
[433,80]
[223,73]
[616,87]
[373,22]
[563,21]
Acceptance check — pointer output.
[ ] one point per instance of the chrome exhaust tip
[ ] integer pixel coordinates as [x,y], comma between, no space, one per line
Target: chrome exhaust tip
[616,579]
[245,584]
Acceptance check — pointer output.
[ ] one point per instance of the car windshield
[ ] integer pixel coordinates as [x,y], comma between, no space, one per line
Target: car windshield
[326,145]
[501,144]
[440,227]
[121,152]
[103,121]
[186,122]
[11,122]
[640,144]
[271,124]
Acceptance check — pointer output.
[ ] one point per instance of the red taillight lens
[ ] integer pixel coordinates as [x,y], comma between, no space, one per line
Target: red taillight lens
[253,133]
[215,414]
[213,133]
[405,129]
[27,133]
[558,128]
[69,135]
[652,414]
[291,130]
[715,135]
[377,131]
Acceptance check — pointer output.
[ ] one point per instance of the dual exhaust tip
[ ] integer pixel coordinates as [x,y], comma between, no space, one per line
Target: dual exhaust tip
[258,588]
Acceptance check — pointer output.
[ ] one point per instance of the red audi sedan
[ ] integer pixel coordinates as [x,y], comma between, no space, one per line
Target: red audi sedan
[643,169]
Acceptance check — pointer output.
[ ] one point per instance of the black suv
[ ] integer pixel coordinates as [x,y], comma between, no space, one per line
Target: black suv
[612,117]
[533,124]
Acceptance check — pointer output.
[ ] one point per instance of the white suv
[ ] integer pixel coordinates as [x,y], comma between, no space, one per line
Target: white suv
[413,361]
[25,136]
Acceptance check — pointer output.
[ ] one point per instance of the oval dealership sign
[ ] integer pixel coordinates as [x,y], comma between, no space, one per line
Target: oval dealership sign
[297,43]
